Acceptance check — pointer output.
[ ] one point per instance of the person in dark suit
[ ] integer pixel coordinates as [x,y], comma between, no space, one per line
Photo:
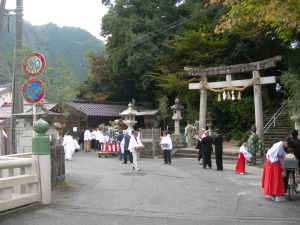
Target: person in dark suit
[218,142]
[207,148]
[199,145]
[126,151]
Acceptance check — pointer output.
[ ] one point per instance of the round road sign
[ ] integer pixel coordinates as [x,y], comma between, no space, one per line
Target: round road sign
[33,91]
[34,64]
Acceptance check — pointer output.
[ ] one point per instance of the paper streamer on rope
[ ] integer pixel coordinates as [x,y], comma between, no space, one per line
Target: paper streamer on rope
[4,134]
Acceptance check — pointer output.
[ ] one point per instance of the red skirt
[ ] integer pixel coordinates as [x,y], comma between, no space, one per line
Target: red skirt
[272,181]
[240,164]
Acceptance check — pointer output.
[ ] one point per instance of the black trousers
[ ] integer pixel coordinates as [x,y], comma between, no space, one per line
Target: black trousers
[93,141]
[206,158]
[127,153]
[200,154]
[219,160]
[167,156]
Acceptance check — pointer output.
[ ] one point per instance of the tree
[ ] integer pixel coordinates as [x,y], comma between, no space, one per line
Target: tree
[269,16]
[132,42]
[101,83]
[291,83]
[164,109]
[60,83]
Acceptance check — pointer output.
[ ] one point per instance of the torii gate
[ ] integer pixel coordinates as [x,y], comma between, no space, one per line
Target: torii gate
[254,67]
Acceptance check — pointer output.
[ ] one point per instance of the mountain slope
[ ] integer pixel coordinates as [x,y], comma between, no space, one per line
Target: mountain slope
[68,44]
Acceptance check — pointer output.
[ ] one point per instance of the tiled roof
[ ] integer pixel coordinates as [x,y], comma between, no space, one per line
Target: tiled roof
[5,112]
[105,109]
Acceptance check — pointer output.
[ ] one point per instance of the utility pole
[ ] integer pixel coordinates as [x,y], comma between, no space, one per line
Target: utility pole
[2,11]
[17,99]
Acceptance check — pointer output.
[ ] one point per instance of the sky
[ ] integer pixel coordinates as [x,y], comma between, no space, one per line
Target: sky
[85,14]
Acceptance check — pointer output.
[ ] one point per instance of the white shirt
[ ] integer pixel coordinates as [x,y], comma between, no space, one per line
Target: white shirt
[98,134]
[87,135]
[133,143]
[277,149]
[166,140]
[244,150]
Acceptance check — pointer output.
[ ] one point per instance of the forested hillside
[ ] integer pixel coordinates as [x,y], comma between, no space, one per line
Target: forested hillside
[67,45]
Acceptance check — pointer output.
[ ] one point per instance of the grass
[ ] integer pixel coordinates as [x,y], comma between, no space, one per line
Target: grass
[62,185]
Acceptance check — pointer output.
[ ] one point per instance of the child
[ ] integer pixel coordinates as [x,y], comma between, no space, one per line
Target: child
[290,155]
[241,161]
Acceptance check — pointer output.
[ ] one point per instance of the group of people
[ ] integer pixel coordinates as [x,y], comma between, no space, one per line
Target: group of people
[205,145]
[275,177]
[92,139]
[130,146]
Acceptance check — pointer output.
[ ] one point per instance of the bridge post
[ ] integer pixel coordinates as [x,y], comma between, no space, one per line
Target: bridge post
[41,154]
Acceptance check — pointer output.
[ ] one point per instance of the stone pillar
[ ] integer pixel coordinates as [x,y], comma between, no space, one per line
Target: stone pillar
[41,154]
[259,121]
[203,106]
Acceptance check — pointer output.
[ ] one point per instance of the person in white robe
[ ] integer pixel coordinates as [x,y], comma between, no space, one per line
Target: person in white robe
[134,147]
[69,146]
[76,145]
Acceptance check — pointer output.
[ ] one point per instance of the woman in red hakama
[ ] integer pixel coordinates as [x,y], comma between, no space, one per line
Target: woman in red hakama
[240,164]
[241,161]
[272,180]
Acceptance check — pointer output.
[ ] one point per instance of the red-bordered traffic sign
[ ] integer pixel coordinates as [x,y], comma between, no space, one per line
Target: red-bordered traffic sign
[34,64]
[33,91]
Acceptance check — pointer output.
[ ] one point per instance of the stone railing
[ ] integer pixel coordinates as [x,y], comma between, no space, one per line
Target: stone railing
[18,181]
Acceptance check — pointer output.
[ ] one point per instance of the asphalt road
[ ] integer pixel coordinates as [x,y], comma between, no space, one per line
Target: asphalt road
[104,191]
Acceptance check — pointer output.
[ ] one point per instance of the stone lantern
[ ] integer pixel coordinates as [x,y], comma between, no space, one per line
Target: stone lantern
[177,115]
[129,115]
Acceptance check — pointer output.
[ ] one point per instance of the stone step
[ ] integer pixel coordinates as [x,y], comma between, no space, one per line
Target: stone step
[187,155]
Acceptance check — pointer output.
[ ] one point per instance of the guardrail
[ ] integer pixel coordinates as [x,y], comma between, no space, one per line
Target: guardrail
[18,181]
[272,121]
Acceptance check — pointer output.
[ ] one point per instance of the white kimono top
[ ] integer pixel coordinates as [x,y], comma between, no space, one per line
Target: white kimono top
[277,149]
[133,143]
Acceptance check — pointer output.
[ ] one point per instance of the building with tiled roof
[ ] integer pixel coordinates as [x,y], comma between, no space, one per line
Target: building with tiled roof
[103,109]
[83,115]
[91,114]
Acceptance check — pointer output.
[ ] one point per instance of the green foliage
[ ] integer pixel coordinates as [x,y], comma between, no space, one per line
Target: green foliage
[291,82]
[231,115]
[254,16]
[165,111]
[148,70]
[54,43]
[5,71]
[133,103]
[191,112]
[60,83]
[128,24]
[62,185]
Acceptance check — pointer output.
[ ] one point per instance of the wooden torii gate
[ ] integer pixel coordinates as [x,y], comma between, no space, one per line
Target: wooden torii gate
[254,67]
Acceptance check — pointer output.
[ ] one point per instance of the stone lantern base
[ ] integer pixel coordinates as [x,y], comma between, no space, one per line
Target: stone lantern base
[178,141]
